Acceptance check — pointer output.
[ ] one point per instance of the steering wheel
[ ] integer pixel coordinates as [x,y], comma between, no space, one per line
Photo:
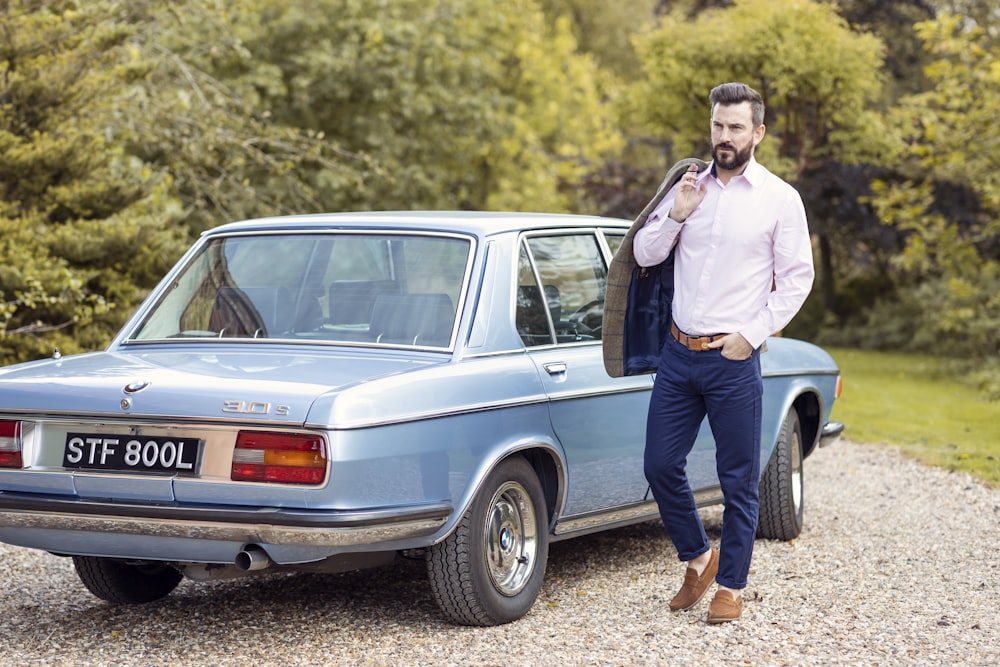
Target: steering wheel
[590,314]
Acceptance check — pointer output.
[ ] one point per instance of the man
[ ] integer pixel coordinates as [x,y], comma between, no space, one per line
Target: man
[742,269]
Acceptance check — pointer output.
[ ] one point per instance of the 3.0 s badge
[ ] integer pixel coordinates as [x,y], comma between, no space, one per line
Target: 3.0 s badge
[254,408]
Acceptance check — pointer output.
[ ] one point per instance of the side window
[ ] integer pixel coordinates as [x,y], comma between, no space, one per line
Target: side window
[570,295]
[614,240]
[533,324]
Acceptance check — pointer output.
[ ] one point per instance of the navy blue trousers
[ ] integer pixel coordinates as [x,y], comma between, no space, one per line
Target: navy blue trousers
[688,386]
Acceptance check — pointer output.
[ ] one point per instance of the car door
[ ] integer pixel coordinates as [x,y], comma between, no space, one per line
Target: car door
[600,421]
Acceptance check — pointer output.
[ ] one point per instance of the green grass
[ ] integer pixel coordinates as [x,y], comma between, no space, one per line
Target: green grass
[917,403]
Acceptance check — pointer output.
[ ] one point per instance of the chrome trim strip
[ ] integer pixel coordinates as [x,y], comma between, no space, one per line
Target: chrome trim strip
[178,421]
[593,521]
[596,393]
[708,496]
[172,422]
[537,399]
[800,373]
[242,420]
[624,515]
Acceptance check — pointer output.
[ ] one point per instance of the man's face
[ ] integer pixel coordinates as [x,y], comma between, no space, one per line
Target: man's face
[733,135]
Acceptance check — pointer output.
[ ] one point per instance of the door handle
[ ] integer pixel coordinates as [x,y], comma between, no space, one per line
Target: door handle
[555,367]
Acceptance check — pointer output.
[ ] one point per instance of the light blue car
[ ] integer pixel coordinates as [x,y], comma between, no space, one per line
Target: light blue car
[330,392]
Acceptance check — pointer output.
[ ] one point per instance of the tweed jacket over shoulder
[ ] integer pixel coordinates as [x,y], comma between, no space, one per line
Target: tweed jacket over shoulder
[620,275]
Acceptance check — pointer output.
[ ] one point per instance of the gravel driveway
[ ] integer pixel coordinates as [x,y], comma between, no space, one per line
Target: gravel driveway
[898,565]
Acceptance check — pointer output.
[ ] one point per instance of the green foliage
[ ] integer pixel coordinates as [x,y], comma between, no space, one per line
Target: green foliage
[605,29]
[184,114]
[979,13]
[947,198]
[73,244]
[127,127]
[893,21]
[819,106]
[459,103]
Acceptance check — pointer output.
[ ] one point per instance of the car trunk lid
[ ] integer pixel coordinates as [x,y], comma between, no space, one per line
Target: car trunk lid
[252,385]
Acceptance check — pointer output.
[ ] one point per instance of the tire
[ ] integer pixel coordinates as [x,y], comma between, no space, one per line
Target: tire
[489,571]
[781,485]
[125,583]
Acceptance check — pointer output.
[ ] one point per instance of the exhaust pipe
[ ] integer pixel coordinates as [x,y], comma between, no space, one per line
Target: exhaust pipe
[252,558]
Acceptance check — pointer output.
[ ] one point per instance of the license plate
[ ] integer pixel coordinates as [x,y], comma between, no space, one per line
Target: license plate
[132,453]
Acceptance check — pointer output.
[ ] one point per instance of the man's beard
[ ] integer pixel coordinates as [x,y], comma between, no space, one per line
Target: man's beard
[738,159]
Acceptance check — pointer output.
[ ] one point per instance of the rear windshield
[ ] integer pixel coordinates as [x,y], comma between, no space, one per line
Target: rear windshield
[382,289]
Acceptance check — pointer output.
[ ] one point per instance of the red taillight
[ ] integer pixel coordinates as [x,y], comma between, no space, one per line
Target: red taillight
[840,386]
[10,444]
[279,457]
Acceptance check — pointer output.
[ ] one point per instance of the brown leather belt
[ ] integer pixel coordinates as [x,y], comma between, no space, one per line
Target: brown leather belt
[694,343]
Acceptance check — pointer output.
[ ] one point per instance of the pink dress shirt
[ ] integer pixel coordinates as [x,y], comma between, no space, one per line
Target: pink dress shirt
[744,257]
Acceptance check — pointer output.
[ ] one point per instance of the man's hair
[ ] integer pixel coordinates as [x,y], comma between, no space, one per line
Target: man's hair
[737,93]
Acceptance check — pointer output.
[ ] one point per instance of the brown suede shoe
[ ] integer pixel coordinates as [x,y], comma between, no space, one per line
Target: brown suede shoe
[695,587]
[724,607]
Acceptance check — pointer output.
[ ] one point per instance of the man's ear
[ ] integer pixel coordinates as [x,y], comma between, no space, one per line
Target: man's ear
[758,134]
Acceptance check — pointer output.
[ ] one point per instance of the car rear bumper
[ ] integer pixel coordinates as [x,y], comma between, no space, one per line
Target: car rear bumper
[23,516]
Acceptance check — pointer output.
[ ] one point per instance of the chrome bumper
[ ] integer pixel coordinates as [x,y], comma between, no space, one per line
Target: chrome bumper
[831,433]
[266,526]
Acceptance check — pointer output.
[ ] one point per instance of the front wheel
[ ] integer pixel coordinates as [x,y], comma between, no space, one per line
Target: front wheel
[489,571]
[124,582]
[781,485]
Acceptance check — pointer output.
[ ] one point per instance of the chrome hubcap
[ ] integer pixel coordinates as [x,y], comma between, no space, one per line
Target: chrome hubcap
[511,539]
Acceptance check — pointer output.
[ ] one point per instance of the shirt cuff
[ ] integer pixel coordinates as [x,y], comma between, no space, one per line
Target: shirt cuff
[755,334]
[652,243]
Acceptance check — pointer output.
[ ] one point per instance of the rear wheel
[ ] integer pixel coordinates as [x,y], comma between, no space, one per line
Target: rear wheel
[490,569]
[124,582]
[781,485]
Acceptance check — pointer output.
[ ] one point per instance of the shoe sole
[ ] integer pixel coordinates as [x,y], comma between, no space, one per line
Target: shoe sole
[720,621]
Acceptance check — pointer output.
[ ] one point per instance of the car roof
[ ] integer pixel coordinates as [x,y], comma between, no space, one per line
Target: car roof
[480,223]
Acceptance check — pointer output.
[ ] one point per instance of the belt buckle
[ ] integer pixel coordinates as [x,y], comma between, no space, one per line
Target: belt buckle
[704,342]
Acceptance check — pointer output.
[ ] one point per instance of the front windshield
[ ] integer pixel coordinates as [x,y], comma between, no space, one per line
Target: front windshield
[392,289]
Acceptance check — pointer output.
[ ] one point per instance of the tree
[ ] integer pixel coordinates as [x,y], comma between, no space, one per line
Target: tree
[458,103]
[947,197]
[981,14]
[185,112]
[80,220]
[821,101]
[127,127]
[117,144]
[605,29]
[893,21]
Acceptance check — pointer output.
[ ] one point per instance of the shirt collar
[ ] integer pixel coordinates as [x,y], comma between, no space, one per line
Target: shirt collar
[753,173]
